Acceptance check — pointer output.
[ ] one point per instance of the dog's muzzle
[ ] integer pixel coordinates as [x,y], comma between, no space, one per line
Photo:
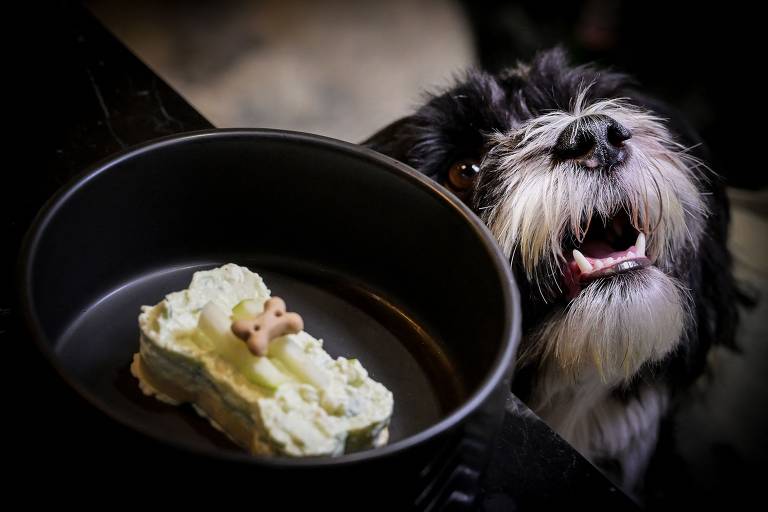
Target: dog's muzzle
[598,143]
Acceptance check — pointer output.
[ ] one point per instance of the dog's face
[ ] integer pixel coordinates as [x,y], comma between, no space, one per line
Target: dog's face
[597,204]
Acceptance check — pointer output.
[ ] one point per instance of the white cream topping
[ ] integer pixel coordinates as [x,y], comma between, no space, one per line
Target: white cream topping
[296,418]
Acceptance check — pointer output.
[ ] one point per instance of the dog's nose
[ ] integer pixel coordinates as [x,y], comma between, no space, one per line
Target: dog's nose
[594,141]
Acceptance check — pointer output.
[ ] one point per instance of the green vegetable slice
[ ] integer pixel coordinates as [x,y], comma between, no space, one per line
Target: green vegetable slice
[290,354]
[215,325]
[247,308]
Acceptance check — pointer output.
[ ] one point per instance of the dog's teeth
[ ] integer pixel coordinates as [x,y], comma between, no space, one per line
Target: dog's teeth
[598,264]
[609,260]
[584,265]
[640,245]
[630,254]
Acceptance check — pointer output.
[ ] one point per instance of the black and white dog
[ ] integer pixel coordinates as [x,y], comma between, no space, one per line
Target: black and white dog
[616,232]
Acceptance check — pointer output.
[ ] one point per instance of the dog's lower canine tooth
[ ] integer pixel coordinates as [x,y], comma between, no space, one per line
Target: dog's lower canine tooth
[640,244]
[584,265]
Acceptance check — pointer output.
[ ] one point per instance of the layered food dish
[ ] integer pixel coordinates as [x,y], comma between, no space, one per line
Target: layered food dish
[234,352]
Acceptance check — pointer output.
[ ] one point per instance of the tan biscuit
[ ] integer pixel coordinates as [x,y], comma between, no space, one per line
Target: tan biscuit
[272,323]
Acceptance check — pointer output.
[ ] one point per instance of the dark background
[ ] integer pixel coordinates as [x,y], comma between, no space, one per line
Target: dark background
[701,57]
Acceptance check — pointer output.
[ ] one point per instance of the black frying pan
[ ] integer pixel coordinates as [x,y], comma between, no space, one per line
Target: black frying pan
[381,263]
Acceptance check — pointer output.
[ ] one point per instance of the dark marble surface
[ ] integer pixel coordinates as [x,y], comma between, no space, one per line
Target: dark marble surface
[96,98]
[532,468]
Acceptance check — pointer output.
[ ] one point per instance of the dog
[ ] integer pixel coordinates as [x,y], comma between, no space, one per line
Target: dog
[615,230]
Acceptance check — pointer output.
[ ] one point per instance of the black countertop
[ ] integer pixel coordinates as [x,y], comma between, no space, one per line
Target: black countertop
[91,97]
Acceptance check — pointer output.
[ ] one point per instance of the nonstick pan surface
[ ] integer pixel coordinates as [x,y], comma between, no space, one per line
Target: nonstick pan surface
[382,264]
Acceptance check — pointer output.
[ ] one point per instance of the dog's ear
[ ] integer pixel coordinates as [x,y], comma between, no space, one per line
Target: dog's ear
[394,140]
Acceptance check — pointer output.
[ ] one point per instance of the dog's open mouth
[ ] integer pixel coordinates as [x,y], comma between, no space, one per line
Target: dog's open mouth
[607,249]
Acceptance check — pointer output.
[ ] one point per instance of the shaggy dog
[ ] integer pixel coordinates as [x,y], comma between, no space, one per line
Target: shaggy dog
[616,233]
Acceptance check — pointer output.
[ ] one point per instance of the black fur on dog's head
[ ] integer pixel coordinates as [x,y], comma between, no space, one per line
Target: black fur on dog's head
[507,145]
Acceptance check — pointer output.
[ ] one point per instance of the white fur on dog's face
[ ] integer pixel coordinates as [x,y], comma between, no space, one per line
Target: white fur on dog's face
[617,323]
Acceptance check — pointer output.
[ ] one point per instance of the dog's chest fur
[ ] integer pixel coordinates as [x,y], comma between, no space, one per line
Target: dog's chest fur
[615,432]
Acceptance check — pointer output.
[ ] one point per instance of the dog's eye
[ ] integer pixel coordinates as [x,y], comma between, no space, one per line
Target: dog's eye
[461,175]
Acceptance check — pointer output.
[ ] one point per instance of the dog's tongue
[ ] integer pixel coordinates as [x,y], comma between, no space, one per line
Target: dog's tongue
[592,250]
[596,256]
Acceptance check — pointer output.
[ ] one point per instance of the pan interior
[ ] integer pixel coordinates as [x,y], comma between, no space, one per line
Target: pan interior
[352,320]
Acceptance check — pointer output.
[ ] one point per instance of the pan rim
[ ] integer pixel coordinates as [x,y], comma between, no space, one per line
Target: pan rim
[500,369]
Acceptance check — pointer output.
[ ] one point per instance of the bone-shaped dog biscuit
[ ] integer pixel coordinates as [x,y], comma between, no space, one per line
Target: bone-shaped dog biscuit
[272,323]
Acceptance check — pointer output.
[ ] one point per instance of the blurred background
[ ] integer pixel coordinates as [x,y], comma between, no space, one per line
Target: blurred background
[341,68]
[345,68]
